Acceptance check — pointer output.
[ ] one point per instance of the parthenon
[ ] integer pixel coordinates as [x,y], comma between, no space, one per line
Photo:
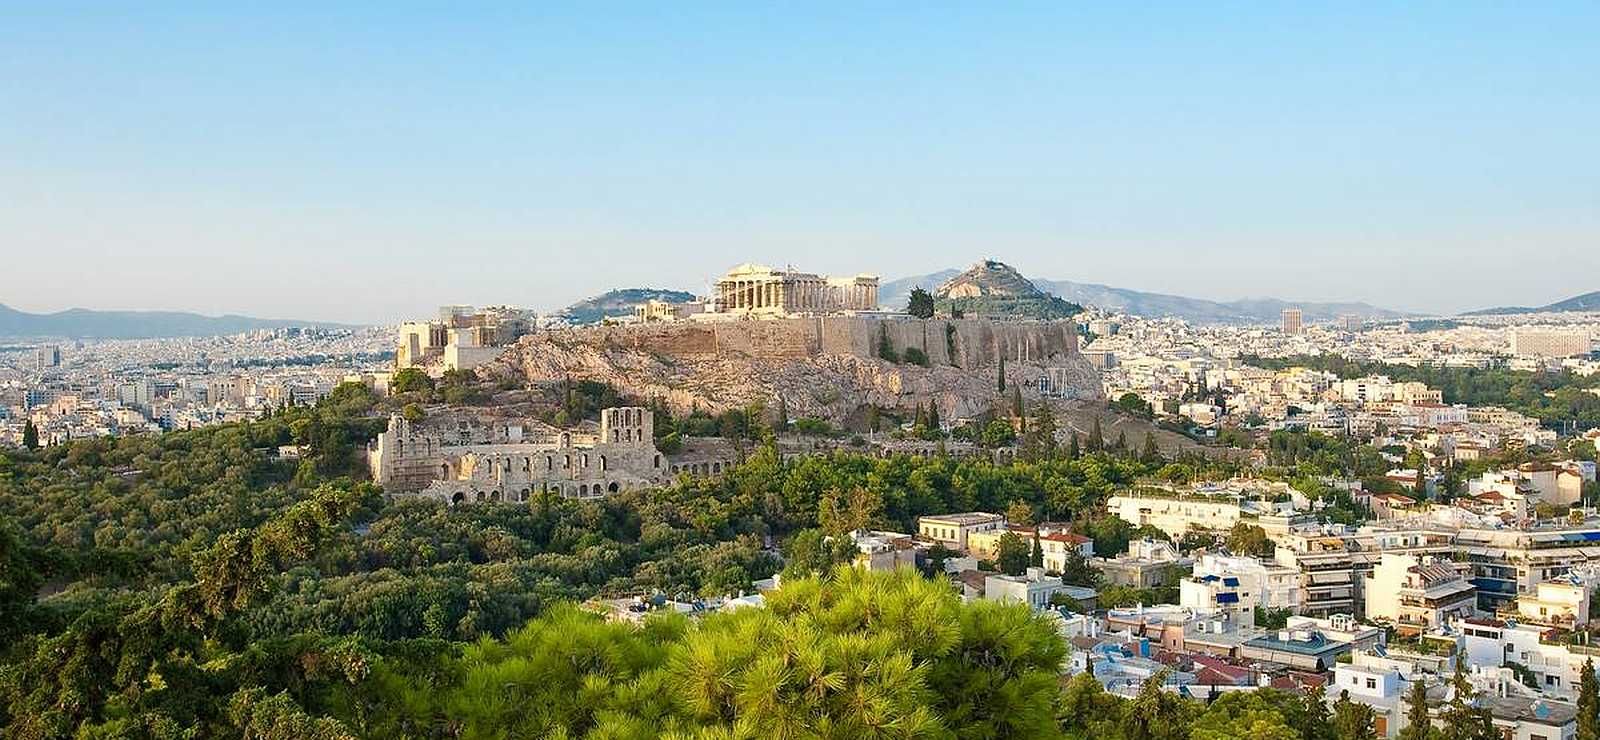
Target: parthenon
[758,289]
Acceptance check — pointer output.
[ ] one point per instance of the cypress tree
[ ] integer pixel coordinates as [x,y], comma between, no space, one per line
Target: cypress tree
[1316,725]
[1097,439]
[1588,703]
[30,435]
[1353,721]
[1002,373]
[1152,453]
[1073,450]
[1418,726]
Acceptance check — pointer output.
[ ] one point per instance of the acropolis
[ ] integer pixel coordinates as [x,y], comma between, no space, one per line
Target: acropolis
[760,290]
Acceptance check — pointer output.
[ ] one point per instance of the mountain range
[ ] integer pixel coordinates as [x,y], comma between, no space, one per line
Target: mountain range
[82,323]
[1585,302]
[894,293]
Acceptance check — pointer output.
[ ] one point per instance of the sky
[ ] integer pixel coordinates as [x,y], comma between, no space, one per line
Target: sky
[370,161]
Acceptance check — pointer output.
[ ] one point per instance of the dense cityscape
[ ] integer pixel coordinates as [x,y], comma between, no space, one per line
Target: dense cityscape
[1374,516]
[817,371]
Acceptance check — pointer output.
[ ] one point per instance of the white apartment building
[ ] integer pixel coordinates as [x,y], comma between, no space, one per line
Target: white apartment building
[1555,666]
[1417,594]
[1562,602]
[1378,682]
[1238,585]
[1034,589]
[1176,515]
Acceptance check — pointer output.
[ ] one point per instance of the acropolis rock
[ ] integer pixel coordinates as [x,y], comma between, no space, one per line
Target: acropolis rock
[823,366]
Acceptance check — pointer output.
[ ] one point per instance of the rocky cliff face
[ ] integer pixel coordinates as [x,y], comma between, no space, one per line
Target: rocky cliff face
[826,368]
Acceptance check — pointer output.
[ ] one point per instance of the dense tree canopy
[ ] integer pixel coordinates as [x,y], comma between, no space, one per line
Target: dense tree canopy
[199,580]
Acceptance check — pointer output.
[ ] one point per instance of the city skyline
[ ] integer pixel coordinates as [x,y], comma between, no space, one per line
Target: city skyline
[214,161]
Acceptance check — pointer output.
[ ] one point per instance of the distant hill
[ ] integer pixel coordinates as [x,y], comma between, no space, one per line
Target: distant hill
[894,293]
[82,323]
[1585,302]
[994,288]
[617,303]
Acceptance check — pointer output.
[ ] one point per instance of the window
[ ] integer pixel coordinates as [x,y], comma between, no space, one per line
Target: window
[1372,683]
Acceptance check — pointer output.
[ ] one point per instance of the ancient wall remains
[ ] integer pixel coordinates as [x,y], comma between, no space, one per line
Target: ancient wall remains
[965,343]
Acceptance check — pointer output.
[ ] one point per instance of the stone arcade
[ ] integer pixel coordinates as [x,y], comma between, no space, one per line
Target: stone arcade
[504,462]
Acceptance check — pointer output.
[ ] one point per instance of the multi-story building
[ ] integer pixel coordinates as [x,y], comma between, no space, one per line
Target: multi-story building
[1057,544]
[885,551]
[1554,665]
[1545,342]
[1562,602]
[1417,594]
[1176,514]
[1149,563]
[952,530]
[1378,682]
[1241,582]
[1331,578]
[1292,321]
[1507,563]
[1301,648]
[1034,589]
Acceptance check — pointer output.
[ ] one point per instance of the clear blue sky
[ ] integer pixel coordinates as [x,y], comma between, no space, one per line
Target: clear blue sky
[368,163]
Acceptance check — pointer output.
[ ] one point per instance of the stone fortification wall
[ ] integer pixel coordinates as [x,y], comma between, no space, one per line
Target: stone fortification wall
[966,343]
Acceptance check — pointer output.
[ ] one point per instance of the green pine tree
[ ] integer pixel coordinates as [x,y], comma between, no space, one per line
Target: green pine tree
[1036,556]
[1152,453]
[30,435]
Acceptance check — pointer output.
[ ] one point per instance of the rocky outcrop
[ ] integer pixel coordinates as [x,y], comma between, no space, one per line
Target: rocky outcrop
[995,289]
[824,367]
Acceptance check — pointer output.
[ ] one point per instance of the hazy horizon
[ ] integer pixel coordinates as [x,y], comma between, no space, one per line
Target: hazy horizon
[366,164]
